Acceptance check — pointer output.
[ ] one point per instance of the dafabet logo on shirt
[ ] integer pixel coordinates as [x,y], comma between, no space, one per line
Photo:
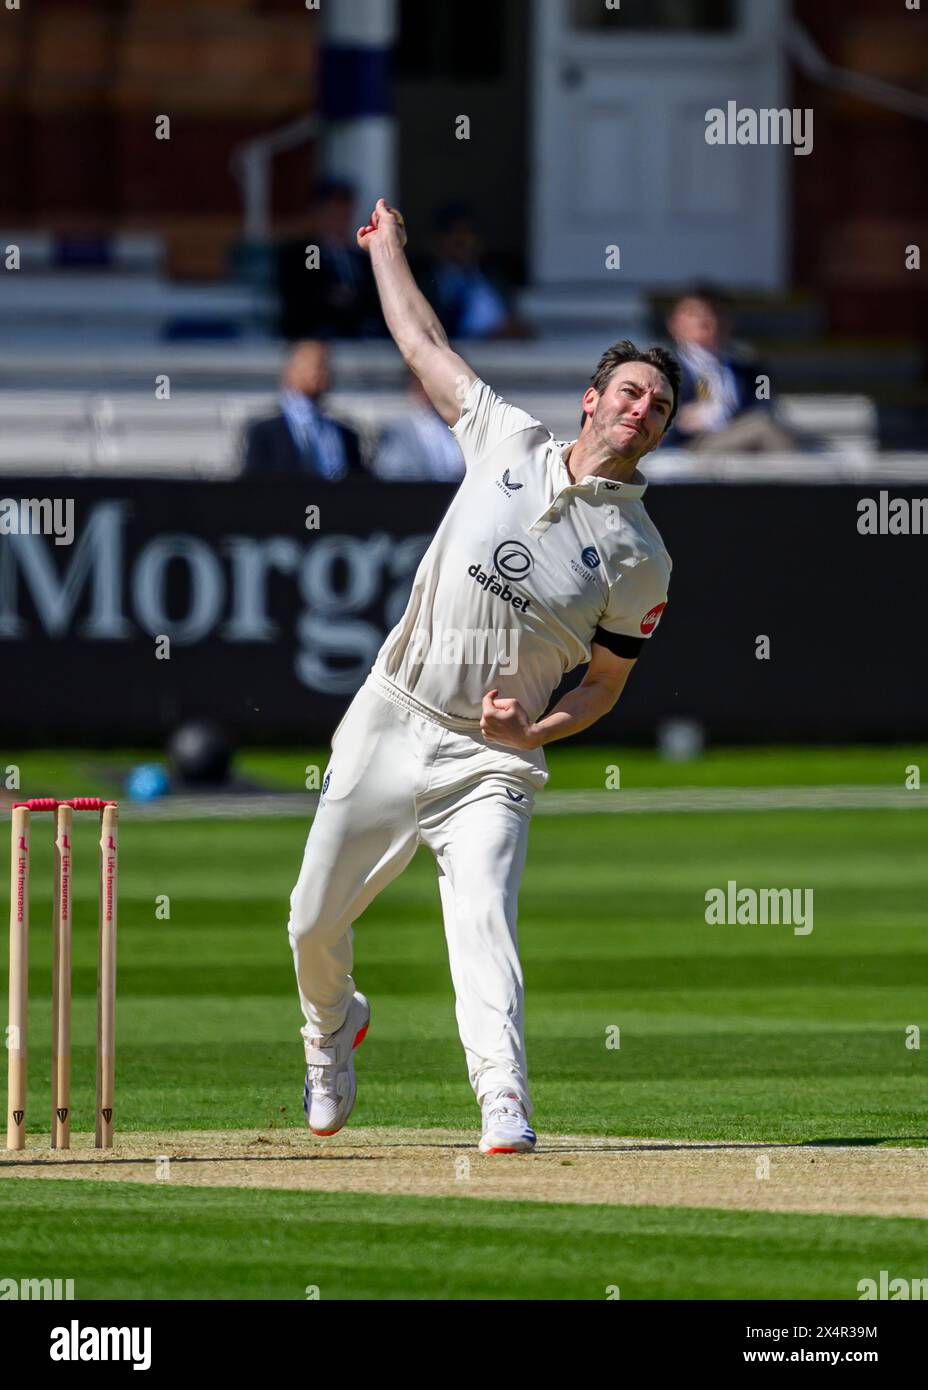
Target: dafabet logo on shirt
[512,560]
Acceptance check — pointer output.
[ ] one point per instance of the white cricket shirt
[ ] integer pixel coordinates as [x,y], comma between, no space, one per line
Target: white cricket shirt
[526,570]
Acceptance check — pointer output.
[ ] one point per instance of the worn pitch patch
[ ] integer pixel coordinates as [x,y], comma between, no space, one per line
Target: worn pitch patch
[446,1163]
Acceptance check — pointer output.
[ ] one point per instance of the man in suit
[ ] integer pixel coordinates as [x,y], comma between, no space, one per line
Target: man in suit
[719,410]
[300,439]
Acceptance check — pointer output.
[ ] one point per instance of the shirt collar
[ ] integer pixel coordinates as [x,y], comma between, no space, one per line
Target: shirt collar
[603,489]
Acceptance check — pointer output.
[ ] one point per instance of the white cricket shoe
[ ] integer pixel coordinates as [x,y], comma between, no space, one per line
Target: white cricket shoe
[506,1129]
[331,1085]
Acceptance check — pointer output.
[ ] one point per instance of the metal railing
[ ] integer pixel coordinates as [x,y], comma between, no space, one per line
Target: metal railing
[251,165]
[810,59]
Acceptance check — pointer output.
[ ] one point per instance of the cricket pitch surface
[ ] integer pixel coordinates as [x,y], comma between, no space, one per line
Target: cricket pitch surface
[828,1178]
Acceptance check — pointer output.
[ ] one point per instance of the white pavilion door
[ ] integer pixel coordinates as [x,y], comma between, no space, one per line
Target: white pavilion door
[620,155]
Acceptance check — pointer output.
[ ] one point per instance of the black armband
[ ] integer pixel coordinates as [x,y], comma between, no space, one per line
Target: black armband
[619,645]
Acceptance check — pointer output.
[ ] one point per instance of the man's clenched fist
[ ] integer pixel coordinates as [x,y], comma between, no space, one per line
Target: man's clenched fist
[386,224]
[505,721]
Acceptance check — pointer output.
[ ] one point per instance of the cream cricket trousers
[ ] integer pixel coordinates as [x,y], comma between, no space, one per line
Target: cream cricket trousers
[397,779]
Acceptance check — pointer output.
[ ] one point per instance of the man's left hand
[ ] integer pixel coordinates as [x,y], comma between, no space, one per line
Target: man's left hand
[505,721]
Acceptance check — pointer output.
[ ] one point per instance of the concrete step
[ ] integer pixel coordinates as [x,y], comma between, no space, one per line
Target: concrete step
[609,312]
[585,310]
[219,457]
[201,434]
[141,253]
[63,412]
[80,303]
[892,371]
[839,364]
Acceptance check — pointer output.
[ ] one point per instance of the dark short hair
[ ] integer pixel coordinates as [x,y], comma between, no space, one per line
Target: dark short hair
[717,299]
[453,214]
[625,351]
[331,188]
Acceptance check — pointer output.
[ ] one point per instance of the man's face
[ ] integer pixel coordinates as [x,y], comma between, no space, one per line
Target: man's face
[629,417]
[461,243]
[695,321]
[309,370]
[335,217]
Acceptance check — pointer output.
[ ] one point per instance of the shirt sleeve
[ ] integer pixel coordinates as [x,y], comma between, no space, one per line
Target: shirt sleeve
[636,603]
[486,421]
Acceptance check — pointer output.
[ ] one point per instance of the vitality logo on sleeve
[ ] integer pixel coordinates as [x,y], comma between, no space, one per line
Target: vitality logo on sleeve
[651,619]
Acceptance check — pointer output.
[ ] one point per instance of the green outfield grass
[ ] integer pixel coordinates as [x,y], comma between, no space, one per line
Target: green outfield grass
[64,772]
[735,1032]
[134,1241]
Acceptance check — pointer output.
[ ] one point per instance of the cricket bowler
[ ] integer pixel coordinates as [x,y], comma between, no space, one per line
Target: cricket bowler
[545,560]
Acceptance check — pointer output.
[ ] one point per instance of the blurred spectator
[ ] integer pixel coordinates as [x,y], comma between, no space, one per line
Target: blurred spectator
[338,299]
[719,411]
[465,299]
[300,439]
[420,447]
